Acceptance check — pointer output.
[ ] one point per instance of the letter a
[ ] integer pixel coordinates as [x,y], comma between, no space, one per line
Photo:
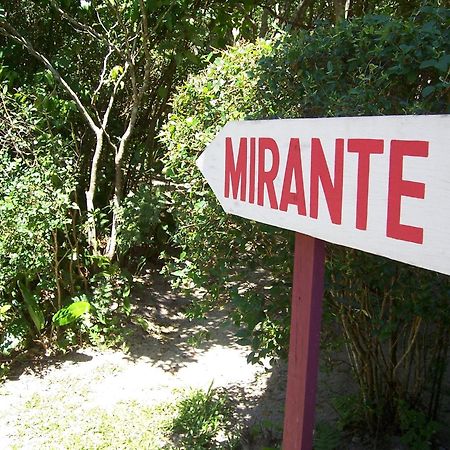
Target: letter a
[293,170]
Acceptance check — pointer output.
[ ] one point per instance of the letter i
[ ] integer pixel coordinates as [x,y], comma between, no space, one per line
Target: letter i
[252,168]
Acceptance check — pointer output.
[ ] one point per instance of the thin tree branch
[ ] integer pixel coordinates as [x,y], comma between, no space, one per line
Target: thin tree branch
[145,43]
[112,97]
[118,160]
[76,23]
[8,30]
[82,27]
[128,53]
[297,18]
[102,76]
[100,21]
[273,13]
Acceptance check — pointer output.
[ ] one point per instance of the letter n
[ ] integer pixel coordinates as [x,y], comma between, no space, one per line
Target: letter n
[320,173]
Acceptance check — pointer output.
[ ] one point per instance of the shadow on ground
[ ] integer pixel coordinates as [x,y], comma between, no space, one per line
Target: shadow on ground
[37,363]
[158,329]
[161,331]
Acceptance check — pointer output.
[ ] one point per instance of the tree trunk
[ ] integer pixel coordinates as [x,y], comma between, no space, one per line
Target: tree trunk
[339,10]
[299,15]
[264,24]
[118,188]
[91,229]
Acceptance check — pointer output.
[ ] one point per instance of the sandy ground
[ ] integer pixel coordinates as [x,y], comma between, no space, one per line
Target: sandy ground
[167,353]
[172,353]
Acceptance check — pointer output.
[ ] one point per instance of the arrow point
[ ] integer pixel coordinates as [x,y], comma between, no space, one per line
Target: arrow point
[201,161]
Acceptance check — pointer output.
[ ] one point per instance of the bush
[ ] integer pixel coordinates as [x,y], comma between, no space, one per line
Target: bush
[203,420]
[45,283]
[396,326]
[35,204]
[220,251]
[141,220]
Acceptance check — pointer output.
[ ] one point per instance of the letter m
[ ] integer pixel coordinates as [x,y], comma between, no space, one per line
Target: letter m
[236,171]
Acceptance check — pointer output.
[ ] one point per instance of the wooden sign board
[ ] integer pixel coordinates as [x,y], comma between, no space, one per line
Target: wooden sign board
[378,184]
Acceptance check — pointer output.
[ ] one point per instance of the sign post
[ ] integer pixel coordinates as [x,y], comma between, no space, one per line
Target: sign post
[303,363]
[378,184]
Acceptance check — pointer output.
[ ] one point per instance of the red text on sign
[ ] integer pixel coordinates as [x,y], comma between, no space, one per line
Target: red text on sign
[398,188]
[251,173]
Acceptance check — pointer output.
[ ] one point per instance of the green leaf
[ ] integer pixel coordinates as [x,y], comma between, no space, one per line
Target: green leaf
[126,291]
[34,310]
[116,71]
[4,309]
[71,313]
[179,273]
[428,63]
[127,306]
[441,64]
[427,91]
[162,92]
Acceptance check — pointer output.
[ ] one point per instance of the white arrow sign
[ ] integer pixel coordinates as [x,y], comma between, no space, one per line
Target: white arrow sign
[378,184]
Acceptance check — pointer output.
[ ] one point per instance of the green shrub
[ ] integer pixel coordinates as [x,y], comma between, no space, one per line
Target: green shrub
[202,420]
[37,181]
[395,318]
[220,251]
[47,281]
[109,297]
[371,66]
[140,219]
[417,430]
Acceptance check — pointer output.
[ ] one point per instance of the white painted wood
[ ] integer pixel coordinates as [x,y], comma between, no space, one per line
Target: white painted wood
[432,213]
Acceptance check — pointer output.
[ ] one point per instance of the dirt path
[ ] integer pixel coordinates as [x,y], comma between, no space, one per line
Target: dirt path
[167,353]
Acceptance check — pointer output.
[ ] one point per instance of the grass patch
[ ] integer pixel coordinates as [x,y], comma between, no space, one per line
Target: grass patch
[204,420]
[48,423]
[194,420]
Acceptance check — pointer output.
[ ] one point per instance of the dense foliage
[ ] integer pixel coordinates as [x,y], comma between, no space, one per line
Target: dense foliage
[220,251]
[37,175]
[80,162]
[390,313]
[44,278]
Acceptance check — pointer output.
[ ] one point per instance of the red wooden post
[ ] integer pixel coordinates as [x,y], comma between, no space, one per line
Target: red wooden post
[303,363]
